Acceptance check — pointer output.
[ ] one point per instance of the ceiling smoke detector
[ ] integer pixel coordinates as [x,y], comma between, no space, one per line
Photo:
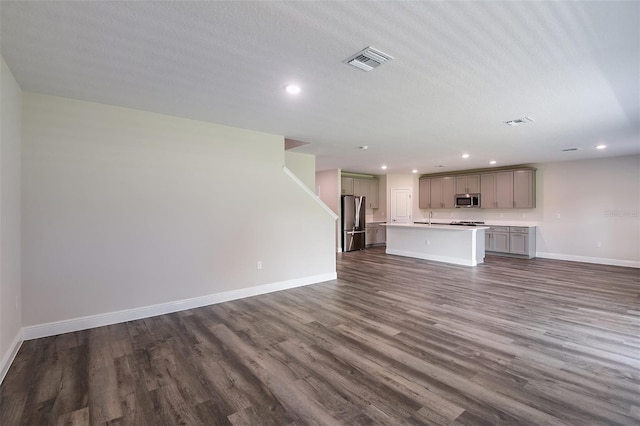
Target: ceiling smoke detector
[517,121]
[368,59]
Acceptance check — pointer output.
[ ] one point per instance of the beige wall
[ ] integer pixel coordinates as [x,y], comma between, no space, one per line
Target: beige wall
[303,166]
[10,257]
[583,203]
[125,208]
[328,190]
[409,181]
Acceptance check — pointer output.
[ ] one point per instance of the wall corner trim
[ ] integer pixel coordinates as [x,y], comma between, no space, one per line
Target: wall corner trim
[99,320]
[10,355]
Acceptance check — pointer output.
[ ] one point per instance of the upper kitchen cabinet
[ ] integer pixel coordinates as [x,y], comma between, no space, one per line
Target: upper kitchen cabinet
[364,187]
[347,186]
[437,192]
[443,192]
[361,187]
[424,197]
[496,190]
[524,189]
[373,200]
[468,184]
[508,189]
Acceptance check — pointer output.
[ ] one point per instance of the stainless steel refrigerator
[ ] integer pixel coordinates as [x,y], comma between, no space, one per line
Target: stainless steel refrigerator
[353,223]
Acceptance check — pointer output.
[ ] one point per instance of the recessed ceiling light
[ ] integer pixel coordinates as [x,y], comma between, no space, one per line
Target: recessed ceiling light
[363,147]
[465,155]
[383,167]
[293,89]
[492,162]
[414,171]
[601,146]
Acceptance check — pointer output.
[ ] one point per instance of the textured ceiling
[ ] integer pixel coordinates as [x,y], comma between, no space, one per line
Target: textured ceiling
[460,70]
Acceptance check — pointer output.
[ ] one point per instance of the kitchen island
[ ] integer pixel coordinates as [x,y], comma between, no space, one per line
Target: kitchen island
[460,245]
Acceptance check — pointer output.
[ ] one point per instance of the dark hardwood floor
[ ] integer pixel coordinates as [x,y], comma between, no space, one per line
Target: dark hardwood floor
[392,341]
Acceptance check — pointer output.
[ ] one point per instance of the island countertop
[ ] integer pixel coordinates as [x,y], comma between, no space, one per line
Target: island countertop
[437,226]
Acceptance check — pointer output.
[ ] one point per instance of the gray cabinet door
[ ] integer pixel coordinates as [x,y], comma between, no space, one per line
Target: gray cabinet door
[372,197]
[504,190]
[524,189]
[519,243]
[361,187]
[369,236]
[497,239]
[347,186]
[488,191]
[501,242]
[468,184]
[436,193]
[424,197]
[380,235]
[448,192]
[443,192]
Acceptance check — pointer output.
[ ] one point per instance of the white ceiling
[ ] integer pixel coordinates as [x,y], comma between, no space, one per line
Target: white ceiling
[460,70]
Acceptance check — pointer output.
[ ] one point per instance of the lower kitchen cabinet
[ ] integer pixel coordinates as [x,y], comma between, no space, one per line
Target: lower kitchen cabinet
[496,239]
[522,240]
[519,240]
[375,234]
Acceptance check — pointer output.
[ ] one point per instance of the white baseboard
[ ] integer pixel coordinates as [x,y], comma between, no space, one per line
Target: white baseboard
[92,321]
[434,257]
[587,259]
[10,355]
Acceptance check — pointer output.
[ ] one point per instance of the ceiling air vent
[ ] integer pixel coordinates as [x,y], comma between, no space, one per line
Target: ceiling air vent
[517,121]
[368,59]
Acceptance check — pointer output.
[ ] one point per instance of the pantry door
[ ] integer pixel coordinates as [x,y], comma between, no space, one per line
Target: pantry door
[401,205]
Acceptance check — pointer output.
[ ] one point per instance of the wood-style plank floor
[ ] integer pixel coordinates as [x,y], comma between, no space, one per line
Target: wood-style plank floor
[392,341]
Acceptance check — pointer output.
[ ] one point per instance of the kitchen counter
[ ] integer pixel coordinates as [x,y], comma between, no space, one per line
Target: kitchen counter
[491,223]
[460,245]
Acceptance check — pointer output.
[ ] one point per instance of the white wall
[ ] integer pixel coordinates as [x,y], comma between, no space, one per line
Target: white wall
[124,209]
[598,201]
[10,279]
[303,166]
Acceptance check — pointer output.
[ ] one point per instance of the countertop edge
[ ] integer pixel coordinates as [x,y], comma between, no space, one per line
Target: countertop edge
[436,226]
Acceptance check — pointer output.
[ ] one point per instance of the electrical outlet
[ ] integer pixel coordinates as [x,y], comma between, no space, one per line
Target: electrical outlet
[598,244]
[259,264]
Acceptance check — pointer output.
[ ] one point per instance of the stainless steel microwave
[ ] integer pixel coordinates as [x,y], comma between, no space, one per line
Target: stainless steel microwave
[467,200]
